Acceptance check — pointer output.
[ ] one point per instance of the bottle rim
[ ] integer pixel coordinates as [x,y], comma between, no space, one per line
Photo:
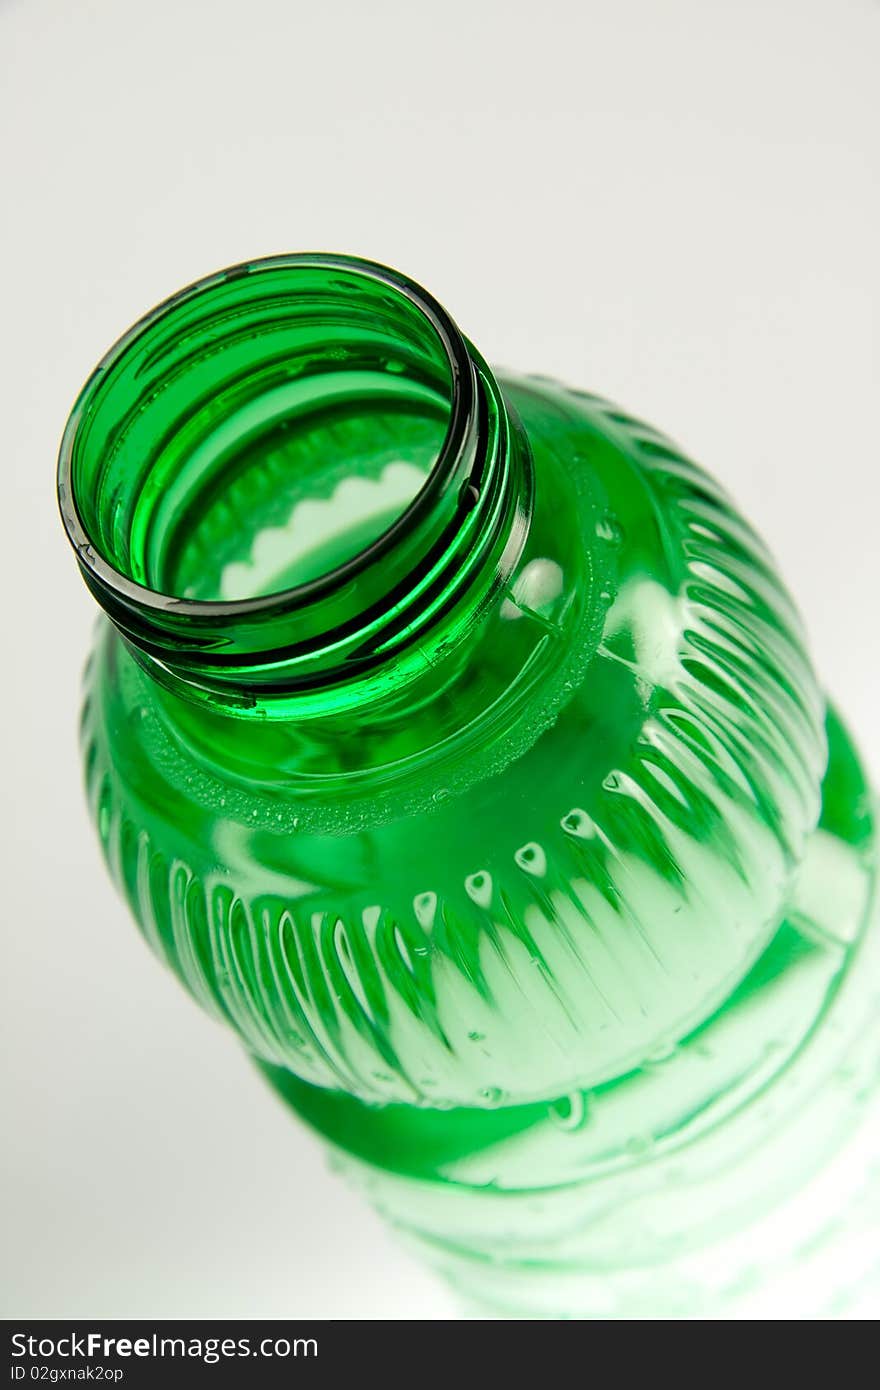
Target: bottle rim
[455,461]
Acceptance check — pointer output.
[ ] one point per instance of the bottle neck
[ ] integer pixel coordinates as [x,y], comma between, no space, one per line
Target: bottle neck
[220,442]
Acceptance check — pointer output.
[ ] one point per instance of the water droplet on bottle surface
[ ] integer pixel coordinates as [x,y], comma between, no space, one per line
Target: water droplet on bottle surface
[609,529]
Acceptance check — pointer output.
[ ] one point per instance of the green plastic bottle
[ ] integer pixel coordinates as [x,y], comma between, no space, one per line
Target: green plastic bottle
[453,738]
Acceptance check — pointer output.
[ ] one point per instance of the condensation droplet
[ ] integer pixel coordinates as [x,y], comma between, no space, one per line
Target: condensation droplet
[609,529]
[492,1094]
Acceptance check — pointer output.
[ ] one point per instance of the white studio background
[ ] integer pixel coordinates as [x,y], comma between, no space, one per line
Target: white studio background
[674,203]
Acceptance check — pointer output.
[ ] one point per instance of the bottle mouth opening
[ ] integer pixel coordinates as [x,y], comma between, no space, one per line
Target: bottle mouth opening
[222,430]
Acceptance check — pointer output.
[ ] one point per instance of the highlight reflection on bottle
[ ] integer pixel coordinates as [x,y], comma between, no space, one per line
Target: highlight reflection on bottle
[453,738]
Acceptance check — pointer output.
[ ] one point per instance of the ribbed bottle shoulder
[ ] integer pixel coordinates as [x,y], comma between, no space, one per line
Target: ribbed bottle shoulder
[567,891]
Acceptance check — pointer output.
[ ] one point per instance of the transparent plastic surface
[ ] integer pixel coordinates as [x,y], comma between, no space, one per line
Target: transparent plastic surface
[454,740]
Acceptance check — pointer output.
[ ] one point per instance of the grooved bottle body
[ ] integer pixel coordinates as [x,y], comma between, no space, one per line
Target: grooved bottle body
[454,740]
[564,955]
